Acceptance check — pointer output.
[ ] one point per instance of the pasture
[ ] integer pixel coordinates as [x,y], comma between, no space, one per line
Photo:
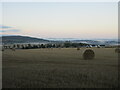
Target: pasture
[59,68]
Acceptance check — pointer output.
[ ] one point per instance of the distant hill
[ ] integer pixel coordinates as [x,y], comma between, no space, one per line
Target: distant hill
[26,39]
[97,42]
[21,39]
[92,41]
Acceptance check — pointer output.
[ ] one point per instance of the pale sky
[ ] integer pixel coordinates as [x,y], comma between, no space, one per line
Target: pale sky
[60,19]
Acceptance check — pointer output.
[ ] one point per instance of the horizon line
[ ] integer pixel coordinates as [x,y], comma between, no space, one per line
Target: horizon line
[61,37]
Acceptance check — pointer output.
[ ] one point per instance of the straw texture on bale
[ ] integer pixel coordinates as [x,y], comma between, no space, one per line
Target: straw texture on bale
[117,50]
[88,54]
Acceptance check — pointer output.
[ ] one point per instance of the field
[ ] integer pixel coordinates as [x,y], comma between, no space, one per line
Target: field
[60,68]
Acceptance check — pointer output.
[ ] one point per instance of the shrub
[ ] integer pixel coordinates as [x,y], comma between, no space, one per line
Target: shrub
[88,54]
[117,50]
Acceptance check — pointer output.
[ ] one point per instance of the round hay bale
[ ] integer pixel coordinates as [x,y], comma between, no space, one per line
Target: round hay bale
[117,50]
[3,50]
[88,54]
[78,48]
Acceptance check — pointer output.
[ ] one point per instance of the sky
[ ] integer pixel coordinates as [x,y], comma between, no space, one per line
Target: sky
[60,19]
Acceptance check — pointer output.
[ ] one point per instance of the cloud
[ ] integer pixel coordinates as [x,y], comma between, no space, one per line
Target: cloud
[10,30]
[4,27]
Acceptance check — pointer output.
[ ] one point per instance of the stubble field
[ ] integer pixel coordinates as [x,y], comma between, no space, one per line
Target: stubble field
[59,68]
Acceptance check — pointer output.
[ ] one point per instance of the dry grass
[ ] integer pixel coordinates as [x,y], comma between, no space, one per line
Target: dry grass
[59,68]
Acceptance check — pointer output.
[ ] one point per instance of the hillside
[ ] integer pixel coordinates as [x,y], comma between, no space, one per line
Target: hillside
[21,39]
[26,39]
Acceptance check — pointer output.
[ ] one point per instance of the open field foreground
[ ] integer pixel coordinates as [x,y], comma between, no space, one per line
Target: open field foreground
[60,68]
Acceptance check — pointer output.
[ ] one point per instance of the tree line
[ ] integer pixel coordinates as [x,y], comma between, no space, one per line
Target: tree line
[49,45]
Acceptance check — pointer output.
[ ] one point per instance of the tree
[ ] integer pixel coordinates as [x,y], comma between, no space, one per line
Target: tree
[67,44]
[42,46]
